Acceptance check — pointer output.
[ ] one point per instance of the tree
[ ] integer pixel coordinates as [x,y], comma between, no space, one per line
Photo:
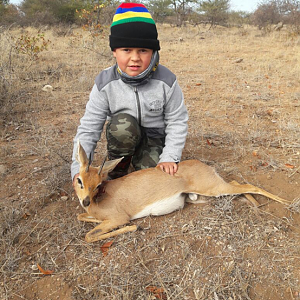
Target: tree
[215,11]
[266,14]
[182,8]
[8,12]
[275,11]
[65,10]
[37,11]
[238,18]
[160,9]
[50,12]
[99,8]
[3,7]
[290,12]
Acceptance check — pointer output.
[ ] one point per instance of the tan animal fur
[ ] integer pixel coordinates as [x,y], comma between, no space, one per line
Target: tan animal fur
[146,192]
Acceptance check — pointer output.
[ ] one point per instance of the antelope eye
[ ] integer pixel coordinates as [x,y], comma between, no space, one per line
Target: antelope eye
[97,187]
[80,183]
[100,187]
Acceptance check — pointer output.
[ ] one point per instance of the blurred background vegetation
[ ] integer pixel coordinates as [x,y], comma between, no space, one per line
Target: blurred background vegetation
[175,12]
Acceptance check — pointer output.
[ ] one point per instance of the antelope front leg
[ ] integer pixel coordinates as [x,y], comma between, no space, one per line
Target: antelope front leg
[85,217]
[111,234]
[102,231]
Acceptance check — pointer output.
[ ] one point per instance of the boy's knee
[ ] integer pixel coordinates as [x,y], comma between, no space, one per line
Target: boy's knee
[124,123]
[123,134]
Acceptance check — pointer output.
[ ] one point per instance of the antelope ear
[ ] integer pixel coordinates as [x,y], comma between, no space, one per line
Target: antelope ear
[81,156]
[110,165]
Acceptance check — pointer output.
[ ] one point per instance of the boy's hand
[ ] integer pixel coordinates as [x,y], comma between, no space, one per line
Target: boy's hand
[168,167]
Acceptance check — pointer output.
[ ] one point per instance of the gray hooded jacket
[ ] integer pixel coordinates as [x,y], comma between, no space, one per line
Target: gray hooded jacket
[157,105]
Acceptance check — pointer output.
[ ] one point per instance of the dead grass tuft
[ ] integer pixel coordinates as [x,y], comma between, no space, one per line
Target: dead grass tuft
[295,205]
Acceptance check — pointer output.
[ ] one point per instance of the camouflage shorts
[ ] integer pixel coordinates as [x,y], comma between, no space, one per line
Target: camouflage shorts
[126,138]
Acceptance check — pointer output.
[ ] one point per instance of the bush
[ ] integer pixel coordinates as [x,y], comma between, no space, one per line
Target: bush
[31,45]
[275,11]
[8,14]
[266,14]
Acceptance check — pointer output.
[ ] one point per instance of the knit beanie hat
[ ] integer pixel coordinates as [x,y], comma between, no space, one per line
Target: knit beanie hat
[133,27]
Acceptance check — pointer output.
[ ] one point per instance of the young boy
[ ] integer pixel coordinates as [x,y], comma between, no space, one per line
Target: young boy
[148,118]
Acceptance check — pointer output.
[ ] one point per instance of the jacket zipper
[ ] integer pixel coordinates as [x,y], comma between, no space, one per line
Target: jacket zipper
[138,104]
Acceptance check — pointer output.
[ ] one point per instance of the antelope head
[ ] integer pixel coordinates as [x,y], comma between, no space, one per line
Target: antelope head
[90,178]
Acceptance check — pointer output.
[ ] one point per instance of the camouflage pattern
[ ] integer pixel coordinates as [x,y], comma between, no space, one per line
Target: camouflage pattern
[123,135]
[148,152]
[126,138]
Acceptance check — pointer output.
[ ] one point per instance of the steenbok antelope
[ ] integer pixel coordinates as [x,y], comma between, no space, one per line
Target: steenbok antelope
[146,192]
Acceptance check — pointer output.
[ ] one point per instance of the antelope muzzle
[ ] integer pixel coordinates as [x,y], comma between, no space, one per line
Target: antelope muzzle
[86,201]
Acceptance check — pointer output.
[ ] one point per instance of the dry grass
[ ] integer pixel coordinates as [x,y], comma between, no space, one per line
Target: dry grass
[244,120]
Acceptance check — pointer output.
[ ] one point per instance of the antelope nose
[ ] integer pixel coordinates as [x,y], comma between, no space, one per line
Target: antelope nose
[86,201]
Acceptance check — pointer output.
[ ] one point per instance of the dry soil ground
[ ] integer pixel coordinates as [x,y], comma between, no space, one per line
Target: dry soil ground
[242,91]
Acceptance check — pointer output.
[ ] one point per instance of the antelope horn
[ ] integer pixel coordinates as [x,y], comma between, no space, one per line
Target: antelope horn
[100,169]
[90,161]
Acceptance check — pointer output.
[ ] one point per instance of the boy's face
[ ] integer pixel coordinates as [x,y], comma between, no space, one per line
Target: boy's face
[133,61]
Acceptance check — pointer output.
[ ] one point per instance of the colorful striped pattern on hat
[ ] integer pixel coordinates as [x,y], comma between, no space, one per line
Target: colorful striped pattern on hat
[131,12]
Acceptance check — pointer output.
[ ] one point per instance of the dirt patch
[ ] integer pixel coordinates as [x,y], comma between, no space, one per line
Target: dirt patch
[244,121]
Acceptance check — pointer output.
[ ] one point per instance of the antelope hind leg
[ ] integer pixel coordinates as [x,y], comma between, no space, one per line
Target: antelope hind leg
[251,189]
[248,196]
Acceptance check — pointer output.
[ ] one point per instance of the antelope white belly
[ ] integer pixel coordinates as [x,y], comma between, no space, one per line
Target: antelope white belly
[162,207]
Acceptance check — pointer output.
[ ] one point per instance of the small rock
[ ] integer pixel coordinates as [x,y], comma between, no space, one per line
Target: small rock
[34,267]
[64,198]
[238,60]
[47,88]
